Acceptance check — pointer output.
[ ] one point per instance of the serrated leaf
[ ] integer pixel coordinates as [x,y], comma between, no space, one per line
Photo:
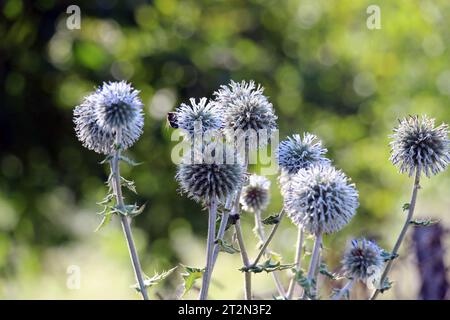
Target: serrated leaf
[157,278]
[406,206]
[387,284]
[423,222]
[309,286]
[273,219]
[323,269]
[190,275]
[226,247]
[129,184]
[107,159]
[129,161]
[267,266]
[107,199]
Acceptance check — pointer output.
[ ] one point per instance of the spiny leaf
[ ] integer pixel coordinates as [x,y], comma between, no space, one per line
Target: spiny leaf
[105,220]
[130,210]
[387,284]
[190,275]
[423,222]
[309,286]
[323,269]
[157,278]
[107,199]
[273,219]
[128,184]
[406,207]
[267,266]
[129,161]
[107,159]
[226,247]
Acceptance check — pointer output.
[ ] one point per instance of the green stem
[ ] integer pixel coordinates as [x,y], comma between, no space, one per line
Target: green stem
[344,290]
[400,238]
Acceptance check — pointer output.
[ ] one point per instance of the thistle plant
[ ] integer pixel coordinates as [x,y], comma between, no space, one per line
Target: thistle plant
[321,200]
[295,154]
[417,147]
[109,121]
[209,183]
[363,259]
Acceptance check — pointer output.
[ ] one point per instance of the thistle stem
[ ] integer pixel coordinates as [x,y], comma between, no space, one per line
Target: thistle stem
[259,228]
[314,259]
[298,263]
[348,286]
[126,224]
[269,238]
[399,241]
[245,261]
[209,249]
[222,227]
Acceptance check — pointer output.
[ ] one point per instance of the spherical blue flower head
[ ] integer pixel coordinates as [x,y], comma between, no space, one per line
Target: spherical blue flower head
[204,116]
[255,195]
[203,179]
[321,199]
[417,143]
[113,114]
[245,107]
[363,259]
[296,153]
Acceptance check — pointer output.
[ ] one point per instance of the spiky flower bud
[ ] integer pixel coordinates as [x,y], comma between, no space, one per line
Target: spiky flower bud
[255,195]
[204,115]
[205,177]
[362,259]
[245,107]
[113,112]
[418,144]
[321,199]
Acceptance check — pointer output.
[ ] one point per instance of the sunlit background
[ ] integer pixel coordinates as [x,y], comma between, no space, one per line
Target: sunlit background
[324,71]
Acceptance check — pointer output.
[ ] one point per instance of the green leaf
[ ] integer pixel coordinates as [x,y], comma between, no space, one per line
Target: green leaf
[129,161]
[423,222]
[190,275]
[406,207]
[226,247]
[105,220]
[309,286]
[106,200]
[157,278]
[129,184]
[387,284]
[267,266]
[129,210]
[323,269]
[274,219]
[107,159]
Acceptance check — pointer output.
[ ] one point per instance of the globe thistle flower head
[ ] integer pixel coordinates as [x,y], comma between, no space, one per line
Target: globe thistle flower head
[206,179]
[255,195]
[321,199]
[418,144]
[205,115]
[112,114]
[245,107]
[362,259]
[296,153]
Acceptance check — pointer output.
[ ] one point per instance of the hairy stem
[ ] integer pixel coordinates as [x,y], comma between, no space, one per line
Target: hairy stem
[259,229]
[209,249]
[400,238]
[245,261]
[222,227]
[126,224]
[298,263]
[314,259]
[344,290]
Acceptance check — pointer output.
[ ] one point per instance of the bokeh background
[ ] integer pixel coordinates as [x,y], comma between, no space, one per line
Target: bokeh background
[323,69]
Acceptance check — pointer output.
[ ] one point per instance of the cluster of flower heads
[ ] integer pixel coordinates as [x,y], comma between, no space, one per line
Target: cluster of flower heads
[418,145]
[364,258]
[239,106]
[321,199]
[111,115]
[256,195]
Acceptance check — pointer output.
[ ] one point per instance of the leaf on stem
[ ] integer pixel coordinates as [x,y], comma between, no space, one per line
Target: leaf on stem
[406,207]
[273,219]
[423,222]
[309,286]
[226,247]
[157,278]
[129,161]
[267,266]
[323,269]
[129,184]
[387,256]
[190,275]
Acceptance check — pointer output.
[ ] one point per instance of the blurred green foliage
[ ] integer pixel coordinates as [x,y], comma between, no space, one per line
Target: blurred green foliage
[324,71]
